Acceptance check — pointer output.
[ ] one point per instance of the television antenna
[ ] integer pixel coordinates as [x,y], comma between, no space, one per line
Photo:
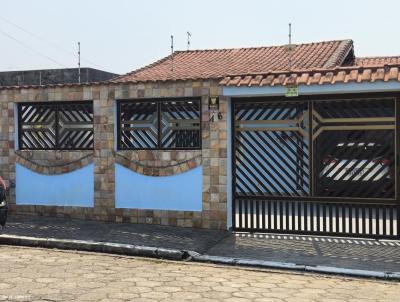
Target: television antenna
[189,35]
[292,89]
[290,47]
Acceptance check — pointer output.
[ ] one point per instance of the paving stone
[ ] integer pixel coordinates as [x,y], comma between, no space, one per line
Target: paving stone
[219,245]
[265,285]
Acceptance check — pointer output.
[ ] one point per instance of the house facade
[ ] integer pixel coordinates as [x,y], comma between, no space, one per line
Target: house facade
[254,139]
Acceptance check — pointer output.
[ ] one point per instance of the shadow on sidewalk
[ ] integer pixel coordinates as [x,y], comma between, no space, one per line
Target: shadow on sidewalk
[280,251]
[188,239]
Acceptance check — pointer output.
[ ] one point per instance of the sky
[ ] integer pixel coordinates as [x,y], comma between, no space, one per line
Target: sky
[123,35]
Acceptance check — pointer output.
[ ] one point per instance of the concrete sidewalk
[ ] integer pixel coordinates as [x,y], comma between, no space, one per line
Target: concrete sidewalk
[357,257]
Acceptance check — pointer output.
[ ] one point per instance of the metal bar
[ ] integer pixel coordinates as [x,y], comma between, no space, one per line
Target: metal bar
[178,128]
[56,145]
[311,148]
[323,234]
[240,213]
[184,121]
[331,199]
[136,129]
[356,120]
[356,127]
[141,122]
[396,151]
[159,125]
[398,221]
[233,165]
[119,119]
[20,132]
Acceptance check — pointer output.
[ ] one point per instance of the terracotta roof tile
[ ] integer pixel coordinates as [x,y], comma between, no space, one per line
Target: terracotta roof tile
[256,80]
[375,61]
[366,75]
[218,63]
[363,69]
[313,64]
[335,75]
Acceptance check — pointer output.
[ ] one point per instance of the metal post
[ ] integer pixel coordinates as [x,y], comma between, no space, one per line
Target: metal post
[290,46]
[79,62]
[172,53]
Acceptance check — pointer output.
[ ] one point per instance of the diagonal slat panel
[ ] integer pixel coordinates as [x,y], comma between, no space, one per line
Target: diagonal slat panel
[75,122]
[37,126]
[266,161]
[138,125]
[355,163]
[180,124]
[272,162]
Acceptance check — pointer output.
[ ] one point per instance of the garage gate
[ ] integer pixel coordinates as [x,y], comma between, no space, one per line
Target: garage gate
[316,166]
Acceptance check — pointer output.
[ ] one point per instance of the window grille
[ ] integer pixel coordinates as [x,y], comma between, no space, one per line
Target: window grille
[55,126]
[159,124]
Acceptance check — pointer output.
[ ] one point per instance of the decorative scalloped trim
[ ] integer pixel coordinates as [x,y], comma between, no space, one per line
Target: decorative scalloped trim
[59,168]
[165,170]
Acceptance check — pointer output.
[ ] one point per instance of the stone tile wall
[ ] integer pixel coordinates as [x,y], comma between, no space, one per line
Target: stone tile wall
[159,163]
[53,162]
[212,157]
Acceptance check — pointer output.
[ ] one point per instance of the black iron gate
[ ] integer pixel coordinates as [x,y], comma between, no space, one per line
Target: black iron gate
[55,125]
[317,166]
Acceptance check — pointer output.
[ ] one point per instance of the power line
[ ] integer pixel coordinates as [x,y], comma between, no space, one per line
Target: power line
[47,41]
[32,49]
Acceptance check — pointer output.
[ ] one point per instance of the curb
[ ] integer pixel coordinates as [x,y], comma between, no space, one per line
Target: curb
[179,255]
[93,246]
[298,267]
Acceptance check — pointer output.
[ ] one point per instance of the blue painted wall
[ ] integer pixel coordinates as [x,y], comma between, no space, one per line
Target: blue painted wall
[75,188]
[181,192]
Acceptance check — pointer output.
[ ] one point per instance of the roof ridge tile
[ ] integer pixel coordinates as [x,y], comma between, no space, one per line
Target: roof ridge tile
[340,55]
[261,47]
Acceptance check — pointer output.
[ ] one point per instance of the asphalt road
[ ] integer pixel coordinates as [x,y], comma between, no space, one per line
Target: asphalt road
[33,274]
